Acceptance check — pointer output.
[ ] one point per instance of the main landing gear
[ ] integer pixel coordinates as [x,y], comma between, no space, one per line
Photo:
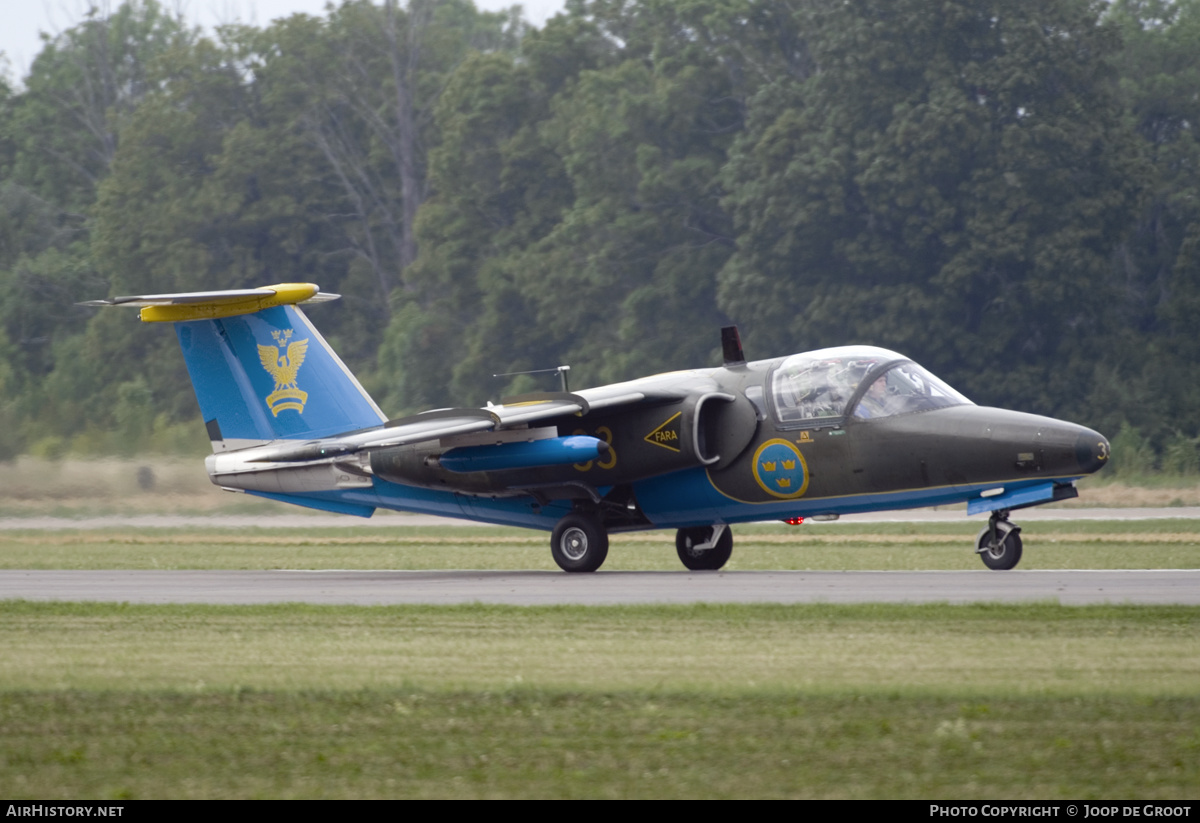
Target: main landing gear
[580,544]
[999,544]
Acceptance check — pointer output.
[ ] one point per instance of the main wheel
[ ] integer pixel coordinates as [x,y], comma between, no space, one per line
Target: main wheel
[579,543]
[1003,551]
[703,560]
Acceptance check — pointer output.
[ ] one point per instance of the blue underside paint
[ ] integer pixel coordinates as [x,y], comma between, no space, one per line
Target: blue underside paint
[676,500]
[311,502]
[688,498]
[1041,493]
[506,511]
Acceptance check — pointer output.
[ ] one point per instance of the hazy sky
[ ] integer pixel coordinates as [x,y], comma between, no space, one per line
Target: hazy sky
[21,20]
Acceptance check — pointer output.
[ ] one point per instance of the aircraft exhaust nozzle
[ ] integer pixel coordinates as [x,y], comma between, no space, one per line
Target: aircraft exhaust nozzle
[555,451]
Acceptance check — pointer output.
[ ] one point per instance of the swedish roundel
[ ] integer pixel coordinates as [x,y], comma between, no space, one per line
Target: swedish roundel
[780,470]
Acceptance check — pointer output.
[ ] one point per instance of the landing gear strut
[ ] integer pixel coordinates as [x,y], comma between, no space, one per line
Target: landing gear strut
[705,548]
[999,544]
[579,543]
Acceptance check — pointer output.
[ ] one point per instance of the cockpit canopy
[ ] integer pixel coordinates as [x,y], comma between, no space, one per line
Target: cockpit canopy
[819,387]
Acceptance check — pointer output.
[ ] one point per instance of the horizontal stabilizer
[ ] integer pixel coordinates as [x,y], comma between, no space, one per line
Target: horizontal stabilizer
[209,305]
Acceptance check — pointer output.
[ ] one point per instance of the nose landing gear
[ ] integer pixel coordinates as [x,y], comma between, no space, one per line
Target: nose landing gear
[705,548]
[999,544]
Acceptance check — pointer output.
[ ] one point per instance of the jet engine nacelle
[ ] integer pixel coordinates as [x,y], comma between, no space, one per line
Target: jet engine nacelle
[721,426]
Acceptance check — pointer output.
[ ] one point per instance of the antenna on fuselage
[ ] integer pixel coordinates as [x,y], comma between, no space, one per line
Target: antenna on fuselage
[731,346]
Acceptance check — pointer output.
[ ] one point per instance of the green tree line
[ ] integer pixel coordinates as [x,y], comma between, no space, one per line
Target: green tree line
[1007,192]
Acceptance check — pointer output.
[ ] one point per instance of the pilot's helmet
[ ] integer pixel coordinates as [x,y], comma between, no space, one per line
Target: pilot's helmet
[855,371]
[788,384]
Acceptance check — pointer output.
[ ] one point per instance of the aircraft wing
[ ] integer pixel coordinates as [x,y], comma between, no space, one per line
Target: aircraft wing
[513,412]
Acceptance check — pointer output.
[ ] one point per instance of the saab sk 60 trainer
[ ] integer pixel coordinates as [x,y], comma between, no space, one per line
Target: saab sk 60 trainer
[814,435]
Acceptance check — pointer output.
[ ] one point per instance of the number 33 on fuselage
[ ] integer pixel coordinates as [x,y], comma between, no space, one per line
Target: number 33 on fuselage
[818,434]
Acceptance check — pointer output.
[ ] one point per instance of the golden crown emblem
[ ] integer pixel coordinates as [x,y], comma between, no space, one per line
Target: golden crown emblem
[282,365]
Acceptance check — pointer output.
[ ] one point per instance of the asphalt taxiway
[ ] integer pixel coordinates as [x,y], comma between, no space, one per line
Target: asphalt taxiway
[532,588]
[527,588]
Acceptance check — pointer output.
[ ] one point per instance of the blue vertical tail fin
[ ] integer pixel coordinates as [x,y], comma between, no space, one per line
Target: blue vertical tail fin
[261,371]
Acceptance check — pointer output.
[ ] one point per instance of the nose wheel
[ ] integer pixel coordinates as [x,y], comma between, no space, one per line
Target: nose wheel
[999,544]
[705,548]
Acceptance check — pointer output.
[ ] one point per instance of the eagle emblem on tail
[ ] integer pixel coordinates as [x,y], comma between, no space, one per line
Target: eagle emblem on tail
[282,361]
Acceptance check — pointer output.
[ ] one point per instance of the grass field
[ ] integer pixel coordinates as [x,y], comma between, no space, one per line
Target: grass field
[724,701]
[942,701]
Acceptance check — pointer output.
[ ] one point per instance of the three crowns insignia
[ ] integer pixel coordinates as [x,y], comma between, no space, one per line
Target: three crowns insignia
[769,465]
[779,469]
[282,365]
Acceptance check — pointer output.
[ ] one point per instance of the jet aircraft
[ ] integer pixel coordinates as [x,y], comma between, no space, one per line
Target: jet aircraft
[813,435]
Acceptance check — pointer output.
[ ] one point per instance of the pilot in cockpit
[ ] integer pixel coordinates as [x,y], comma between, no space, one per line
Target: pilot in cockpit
[878,401]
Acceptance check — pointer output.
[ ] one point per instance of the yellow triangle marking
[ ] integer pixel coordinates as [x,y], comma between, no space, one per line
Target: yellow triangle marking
[666,435]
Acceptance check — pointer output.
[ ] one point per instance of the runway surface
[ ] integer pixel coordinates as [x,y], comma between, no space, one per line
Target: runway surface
[528,588]
[536,588]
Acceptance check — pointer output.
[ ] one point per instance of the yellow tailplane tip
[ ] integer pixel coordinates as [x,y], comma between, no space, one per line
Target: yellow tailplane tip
[230,305]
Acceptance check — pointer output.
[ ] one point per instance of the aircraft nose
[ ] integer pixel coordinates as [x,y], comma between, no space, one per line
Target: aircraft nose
[1091,450]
